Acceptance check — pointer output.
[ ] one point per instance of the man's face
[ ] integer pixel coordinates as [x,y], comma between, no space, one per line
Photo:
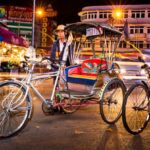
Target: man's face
[61,34]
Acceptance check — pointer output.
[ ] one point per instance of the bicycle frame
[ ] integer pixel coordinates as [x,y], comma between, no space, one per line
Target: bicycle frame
[32,77]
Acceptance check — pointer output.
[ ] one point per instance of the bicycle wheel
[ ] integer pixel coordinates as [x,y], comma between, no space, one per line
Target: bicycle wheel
[15,108]
[70,105]
[111,100]
[135,113]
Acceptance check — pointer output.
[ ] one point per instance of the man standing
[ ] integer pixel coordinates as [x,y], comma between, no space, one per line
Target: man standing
[60,44]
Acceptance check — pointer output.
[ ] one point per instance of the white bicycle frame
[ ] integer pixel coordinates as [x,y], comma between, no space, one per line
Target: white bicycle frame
[26,82]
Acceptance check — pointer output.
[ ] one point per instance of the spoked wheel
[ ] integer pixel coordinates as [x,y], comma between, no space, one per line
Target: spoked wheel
[135,113]
[70,105]
[15,108]
[111,100]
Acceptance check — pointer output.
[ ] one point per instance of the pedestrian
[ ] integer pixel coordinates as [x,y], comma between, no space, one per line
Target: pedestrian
[59,46]
[30,52]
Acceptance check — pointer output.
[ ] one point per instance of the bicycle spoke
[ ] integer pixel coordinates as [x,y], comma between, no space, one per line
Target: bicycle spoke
[112,100]
[14,108]
[135,112]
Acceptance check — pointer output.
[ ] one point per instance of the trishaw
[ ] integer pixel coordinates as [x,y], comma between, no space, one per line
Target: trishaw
[94,80]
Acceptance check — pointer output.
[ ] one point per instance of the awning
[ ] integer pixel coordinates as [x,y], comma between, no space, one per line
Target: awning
[11,38]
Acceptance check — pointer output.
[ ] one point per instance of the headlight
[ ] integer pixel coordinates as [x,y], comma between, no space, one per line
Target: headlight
[122,70]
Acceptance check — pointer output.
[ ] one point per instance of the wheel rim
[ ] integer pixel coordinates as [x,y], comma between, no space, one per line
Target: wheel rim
[136,110]
[13,110]
[111,103]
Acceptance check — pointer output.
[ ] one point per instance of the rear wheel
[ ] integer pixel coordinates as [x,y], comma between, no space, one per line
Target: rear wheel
[135,113]
[111,100]
[15,108]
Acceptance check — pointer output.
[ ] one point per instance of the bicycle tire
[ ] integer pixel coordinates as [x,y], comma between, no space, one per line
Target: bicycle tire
[136,108]
[107,103]
[13,104]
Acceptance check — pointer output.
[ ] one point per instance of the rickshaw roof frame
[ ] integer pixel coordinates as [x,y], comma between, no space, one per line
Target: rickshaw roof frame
[80,28]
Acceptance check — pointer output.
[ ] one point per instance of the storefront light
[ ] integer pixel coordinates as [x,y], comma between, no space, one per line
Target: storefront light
[4,50]
[15,50]
[8,46]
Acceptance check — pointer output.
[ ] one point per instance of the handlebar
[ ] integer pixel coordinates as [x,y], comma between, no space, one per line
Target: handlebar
[53,62]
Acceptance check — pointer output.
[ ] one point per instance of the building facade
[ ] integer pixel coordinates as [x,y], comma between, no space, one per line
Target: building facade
[17,19]
[136,17]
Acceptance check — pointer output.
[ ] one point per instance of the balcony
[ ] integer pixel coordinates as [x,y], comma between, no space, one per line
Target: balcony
[139,36]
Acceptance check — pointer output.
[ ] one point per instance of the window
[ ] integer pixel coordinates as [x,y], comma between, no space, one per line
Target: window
[138,44]
[125,14]
[136,29]
[84,16]
[109,15]
[138,14]
[148,14]
[148,45]
[105,14]
[92,15]
[148,30]
[141,45]
[122,44]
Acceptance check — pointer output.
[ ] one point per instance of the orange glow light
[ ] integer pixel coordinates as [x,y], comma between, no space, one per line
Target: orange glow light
[40,12]
[118,14]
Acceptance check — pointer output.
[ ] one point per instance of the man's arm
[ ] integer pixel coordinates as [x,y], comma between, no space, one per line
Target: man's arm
[53,51]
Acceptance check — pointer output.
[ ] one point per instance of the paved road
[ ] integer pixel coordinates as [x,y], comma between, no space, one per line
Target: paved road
[83,130]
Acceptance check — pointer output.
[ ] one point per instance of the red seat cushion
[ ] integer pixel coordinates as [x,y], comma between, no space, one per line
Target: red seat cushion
[89,68]
[87,72]
[76,70]
[92,66]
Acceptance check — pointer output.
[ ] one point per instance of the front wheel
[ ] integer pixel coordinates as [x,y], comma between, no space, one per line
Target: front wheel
[15,108]
[111,100]
[135,110]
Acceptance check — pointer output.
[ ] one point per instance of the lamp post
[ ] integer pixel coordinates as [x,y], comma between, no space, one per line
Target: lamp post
[33,22]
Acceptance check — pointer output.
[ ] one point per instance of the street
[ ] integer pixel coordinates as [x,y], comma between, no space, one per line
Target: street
[83,130]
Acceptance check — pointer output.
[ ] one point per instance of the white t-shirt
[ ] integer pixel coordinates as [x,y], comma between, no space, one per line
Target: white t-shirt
[61,46]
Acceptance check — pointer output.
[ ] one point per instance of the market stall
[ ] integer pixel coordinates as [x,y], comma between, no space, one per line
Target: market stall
[12,49]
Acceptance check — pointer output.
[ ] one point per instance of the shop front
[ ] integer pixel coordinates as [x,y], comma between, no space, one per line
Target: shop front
[12,50]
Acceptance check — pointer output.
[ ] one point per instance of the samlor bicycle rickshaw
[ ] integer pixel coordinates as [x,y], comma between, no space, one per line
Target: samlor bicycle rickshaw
[95,80]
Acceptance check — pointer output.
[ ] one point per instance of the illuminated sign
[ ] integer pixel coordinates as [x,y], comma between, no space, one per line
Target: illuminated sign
[20,14]
[3,12]
[44,32]
[50,12]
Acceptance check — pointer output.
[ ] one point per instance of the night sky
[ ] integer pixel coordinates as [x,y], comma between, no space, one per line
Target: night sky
[68,9]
